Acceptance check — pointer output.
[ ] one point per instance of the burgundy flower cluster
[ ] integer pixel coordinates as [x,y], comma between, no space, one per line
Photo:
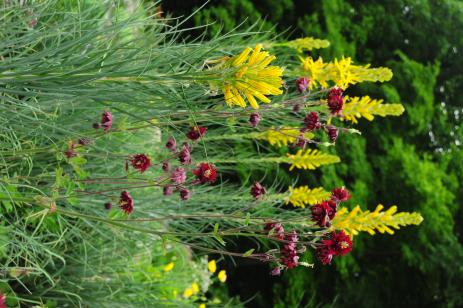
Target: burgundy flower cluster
[106,121]
[276,229]
[324,212]
[257,190]
[204,173]
[335,101]
[336,244]
[289,257]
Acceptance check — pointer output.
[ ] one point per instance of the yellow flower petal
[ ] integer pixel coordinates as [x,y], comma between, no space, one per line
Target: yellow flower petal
[169,267]
[212,266]
[188,292]
[195,287]
[222,276]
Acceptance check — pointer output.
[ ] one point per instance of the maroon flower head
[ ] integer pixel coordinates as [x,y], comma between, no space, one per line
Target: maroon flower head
[254,119]
[296,108]
[179,176]
[206,173]
[257,190]
[341,243]
[140,162]
[126,202]
[96,125]
[168,190]
[70,152]
[276,271]
[340,194]
[106,120]
[83,141]
[171,144]
[185,194]
[289,256]
[196,132]
[312,121]
[302,84]
[324,254]
[332,133]
[184,156]
[323,213]
[278,229]
[2,301]
[108,205]
[335,101]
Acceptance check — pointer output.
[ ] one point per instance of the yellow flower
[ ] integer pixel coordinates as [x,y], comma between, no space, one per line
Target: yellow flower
[342,72]
[248,77]
[169,267]
[306,43]
[222,276]
[195,287]
[282,136]
[202,305]
[303,195]
[310,159]
[357,107]
[212,266]
[188,292]
[357,220]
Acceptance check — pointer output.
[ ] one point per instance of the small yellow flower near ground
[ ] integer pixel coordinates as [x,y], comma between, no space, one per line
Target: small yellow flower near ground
[212,266]
[169,267]
[195,287]
[188,292]
[202,306]
[222,276]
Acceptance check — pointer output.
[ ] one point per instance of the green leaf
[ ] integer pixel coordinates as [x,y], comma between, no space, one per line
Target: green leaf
[248,253]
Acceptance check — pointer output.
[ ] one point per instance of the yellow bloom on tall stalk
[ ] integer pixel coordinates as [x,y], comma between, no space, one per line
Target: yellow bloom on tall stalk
[342,72]
[310,159]
[357,220]
[282,136]
[169,267]
[358,107]
[248,77]
[303,195]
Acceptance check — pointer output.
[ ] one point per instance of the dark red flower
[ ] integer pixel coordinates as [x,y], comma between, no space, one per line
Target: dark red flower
[140,162]
[324,254]
[332,133]
[323,213]
[277,228]
[179,176]
[2,301]
[276,271]
[185,194]
[196,132]
[206,173]
[126,202]
[108,205]
[296,108]
[340,194]
[70,152]
[335,100]
[96,125]
[106,120]
[302,84]
[168,190]
[83,141]
[254,119]
[184,156]
[165,166]
[312,121]
[257,190]
[171,144]
[341,243]
[289,256]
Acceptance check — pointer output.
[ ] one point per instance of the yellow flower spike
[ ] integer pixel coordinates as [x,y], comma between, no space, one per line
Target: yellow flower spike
[366,107]
[342,72]
[212,266]
[357,220]
[310,159]
[195,287]
[188,292]
[281,136]
[303,195]
[247,77]
[222,276]
[306,43]
[202,305]
[169,267]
